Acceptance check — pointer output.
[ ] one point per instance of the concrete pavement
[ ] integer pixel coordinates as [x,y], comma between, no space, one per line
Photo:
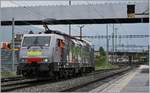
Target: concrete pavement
[136,81]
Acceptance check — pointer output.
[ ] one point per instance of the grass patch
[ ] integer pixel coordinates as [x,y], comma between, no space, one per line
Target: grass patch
[5,74]
[101,63]
[106,66]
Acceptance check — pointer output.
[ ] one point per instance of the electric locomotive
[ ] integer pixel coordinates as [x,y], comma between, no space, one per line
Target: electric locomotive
[54,54]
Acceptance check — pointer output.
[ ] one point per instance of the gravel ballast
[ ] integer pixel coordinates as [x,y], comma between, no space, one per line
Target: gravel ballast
[71,83]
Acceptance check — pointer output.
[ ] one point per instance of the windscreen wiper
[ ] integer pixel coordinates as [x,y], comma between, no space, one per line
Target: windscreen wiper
[28,47]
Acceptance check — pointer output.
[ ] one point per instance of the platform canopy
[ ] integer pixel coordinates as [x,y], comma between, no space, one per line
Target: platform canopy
[77,14]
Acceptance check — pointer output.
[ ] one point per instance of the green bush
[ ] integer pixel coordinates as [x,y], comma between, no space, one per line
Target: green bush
[101,61]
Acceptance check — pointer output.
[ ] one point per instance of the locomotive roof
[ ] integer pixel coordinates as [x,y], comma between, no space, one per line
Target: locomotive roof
[54,32]
[37,34]
[64,34]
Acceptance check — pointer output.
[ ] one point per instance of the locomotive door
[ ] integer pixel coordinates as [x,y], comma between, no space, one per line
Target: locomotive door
[59,50]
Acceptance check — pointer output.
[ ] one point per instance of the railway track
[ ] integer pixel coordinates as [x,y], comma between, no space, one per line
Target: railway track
[21,83]
[47,85]
[11,79]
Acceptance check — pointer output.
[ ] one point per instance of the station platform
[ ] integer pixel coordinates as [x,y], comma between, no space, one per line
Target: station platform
[136,81]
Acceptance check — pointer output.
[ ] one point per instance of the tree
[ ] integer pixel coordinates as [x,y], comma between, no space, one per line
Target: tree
[101,59]
[102,51]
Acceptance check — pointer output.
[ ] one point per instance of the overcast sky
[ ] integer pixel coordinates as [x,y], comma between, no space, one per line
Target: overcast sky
[91,29]
[12,3]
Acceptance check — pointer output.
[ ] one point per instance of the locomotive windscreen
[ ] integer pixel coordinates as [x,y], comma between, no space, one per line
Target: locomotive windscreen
[36,41]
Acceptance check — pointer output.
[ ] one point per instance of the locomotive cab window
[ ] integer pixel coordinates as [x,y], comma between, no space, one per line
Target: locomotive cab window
[36,41]
[60,43]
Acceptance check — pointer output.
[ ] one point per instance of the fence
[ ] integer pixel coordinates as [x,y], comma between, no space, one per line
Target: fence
[6,60]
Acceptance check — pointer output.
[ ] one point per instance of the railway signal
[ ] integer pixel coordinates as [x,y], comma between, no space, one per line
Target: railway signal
[131,11]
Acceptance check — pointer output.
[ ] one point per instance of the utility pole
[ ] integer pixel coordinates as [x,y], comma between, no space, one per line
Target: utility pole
[115,39]
[13,46]
[69,2]
[113,45]
[69,24]
[107,44]
[81,31]
[119,38]
[69,34]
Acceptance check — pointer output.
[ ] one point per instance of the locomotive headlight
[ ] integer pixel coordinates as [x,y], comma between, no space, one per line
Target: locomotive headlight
[45,60]
[22,60]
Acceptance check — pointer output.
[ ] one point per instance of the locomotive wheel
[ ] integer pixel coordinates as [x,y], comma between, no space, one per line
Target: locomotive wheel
[71,73]
[54,76]
[65,74]
[26,74]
